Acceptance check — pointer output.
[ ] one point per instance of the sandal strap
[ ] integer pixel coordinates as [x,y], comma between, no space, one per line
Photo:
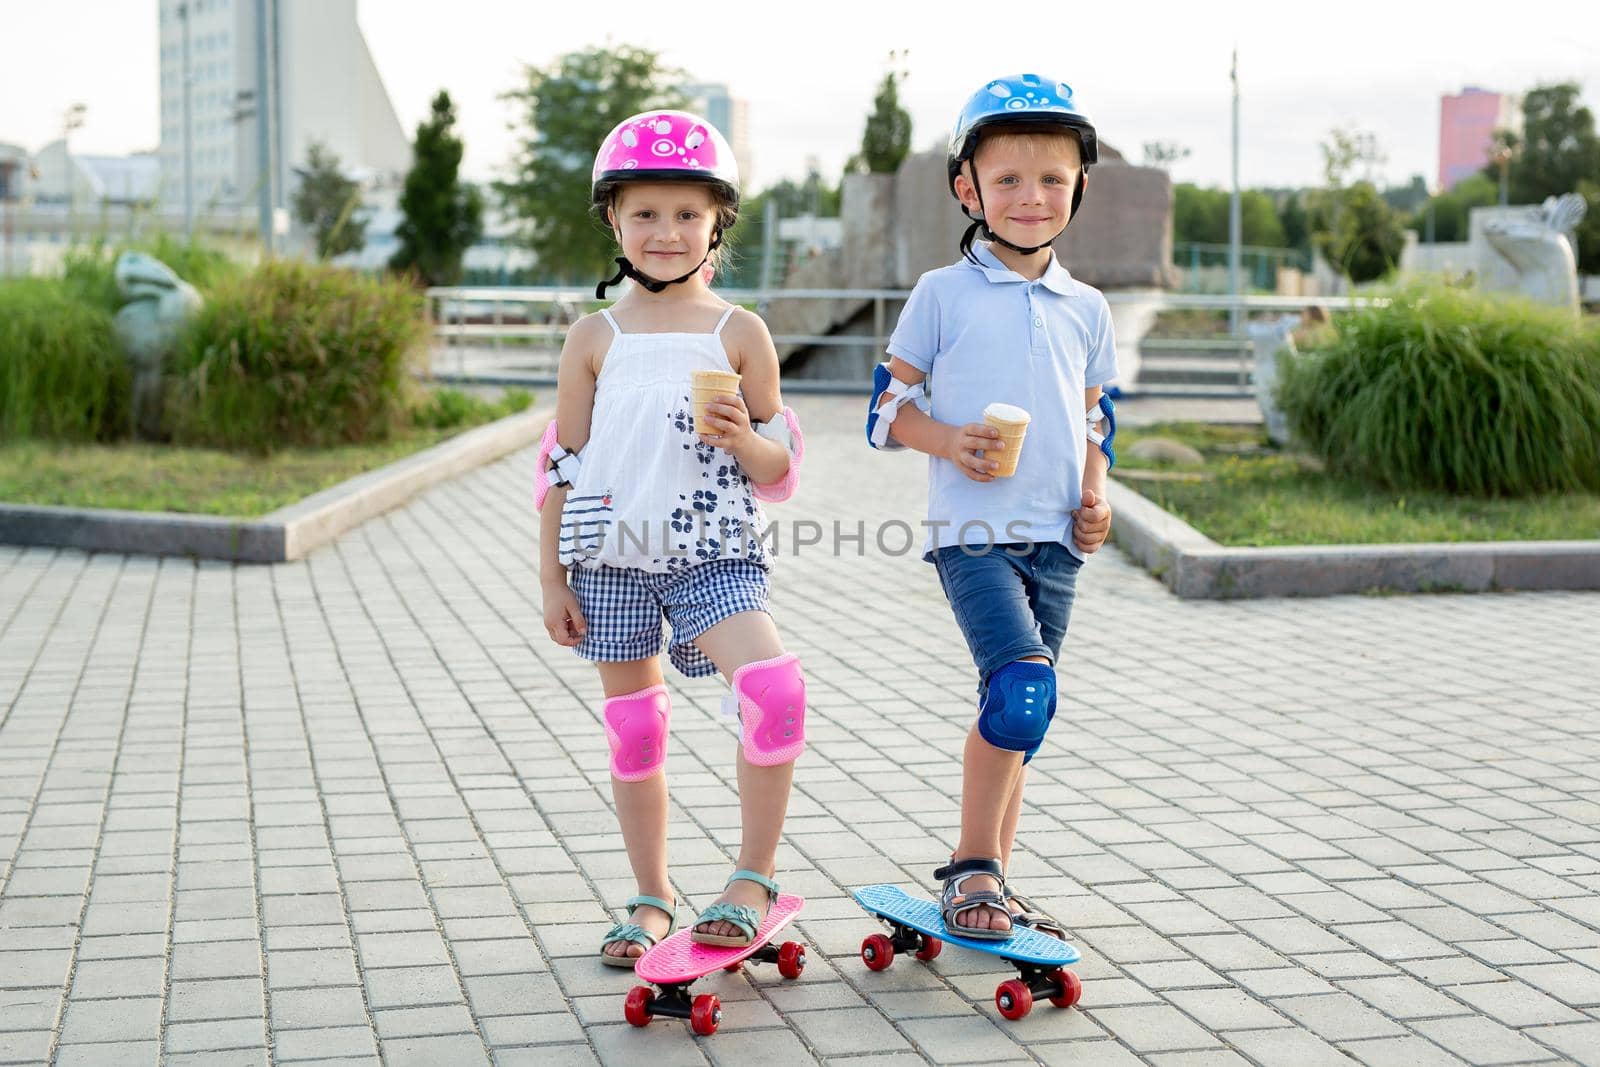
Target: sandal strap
[971,866]
[757,877]
[655,902]
[632,903]
[1033,916]
[628,932]
[740,915]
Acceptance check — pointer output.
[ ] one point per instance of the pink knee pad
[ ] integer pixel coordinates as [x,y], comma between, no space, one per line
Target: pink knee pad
[772,710]
[636,727]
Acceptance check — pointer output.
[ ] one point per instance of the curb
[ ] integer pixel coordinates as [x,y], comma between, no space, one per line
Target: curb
[283,535]
[1195,567]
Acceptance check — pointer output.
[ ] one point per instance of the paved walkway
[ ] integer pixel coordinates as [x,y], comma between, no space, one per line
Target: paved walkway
[358,808]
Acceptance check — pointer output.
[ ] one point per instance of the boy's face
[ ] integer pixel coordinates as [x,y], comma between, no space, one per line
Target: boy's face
[664,228]
[1027,184]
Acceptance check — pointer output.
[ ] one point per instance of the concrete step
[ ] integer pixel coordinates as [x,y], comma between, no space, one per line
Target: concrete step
[1198,370]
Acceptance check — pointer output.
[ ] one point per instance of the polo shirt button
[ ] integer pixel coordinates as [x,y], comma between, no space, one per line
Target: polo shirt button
[1038,322]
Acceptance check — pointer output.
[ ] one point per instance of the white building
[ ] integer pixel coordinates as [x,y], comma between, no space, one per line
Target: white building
[731,116]
[326,89]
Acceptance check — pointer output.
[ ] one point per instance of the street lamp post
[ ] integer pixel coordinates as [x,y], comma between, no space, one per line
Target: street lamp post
[1235,222]
[188,127]
[72,120]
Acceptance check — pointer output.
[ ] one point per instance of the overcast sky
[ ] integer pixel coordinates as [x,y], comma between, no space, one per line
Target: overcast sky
[1146,70]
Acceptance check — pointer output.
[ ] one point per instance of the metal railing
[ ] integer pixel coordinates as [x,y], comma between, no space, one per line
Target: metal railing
[537,318]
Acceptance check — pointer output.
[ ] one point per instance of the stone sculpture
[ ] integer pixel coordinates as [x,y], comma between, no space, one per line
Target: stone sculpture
[157,304]
[1540,246]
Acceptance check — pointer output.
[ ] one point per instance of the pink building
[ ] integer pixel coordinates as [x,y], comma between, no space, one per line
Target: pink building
[1467,122]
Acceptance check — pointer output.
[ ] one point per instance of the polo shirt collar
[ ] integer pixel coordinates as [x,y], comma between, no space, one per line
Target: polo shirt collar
[1055,277]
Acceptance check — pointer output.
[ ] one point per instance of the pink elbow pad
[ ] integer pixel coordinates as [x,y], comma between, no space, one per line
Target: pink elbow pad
[541,474]
[555,466]
[786,433]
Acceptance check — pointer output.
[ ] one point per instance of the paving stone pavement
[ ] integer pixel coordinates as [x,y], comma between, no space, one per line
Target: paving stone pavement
[356,809]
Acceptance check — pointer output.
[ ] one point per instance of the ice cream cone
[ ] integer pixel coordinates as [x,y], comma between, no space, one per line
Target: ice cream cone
[1012,422]
[706,386]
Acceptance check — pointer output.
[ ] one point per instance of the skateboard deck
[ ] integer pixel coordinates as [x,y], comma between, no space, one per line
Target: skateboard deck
[916,925]
[678,961]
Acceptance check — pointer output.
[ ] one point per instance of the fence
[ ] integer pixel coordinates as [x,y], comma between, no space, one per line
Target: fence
[488,331]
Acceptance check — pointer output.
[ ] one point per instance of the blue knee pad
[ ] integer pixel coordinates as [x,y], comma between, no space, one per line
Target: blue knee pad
[1018,707]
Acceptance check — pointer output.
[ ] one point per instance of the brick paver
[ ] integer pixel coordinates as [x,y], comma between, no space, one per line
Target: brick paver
[357,809]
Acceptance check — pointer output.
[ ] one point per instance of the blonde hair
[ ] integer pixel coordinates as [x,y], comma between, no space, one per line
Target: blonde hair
[1030,138]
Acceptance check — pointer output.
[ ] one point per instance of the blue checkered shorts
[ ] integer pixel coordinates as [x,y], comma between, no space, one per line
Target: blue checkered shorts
[623,607]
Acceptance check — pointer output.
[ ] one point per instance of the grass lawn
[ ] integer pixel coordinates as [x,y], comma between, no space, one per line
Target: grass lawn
[140,477]
[1252,495]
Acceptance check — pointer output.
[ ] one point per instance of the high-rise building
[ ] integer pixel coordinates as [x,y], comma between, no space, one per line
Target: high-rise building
[326,89]
[1467,122]
[731,116]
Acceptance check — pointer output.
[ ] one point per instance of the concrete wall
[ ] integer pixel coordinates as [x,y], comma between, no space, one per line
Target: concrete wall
[897,227]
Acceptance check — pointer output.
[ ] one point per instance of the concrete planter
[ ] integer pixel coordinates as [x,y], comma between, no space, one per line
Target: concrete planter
[1194,566]
[286,534]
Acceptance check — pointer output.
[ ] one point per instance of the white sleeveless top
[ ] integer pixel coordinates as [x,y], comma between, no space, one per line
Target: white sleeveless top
[649,494]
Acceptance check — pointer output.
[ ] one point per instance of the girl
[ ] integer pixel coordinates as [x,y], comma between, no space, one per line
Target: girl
[654,512]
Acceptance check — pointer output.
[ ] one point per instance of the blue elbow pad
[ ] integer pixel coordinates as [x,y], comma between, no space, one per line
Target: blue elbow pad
[1107,410]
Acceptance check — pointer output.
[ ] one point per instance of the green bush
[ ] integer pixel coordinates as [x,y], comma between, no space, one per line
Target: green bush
[90,269]
[1451,390]
[446,409]
[62,374]
[297,354]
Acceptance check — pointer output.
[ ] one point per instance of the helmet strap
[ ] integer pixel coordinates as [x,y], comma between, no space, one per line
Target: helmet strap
[625,269]
[980,223]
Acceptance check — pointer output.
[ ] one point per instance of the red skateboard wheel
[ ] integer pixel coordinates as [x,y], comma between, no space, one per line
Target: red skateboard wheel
[877,952]
[637,1007]
[1071,989]
[1014,998]
[705,1014]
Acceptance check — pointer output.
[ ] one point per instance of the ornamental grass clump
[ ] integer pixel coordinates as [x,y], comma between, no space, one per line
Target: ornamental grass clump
[1447,389]
[62,375]
[298,354]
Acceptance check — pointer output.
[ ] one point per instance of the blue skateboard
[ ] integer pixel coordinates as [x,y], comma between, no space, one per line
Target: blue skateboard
[916,925]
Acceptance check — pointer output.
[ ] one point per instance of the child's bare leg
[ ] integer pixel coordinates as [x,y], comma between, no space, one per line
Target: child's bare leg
[991,802]
[1008,824]
[763,791]
[641,813]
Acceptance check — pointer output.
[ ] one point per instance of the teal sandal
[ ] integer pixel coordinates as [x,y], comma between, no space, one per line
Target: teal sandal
[741,915]
[632,931]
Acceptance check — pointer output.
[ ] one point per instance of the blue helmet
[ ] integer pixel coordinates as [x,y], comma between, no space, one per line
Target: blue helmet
[1017,100]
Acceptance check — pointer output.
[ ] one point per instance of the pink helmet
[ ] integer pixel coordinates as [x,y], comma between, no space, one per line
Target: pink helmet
[664,145]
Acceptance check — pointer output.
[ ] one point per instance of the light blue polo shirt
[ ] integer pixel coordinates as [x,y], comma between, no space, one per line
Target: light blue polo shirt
[984,334]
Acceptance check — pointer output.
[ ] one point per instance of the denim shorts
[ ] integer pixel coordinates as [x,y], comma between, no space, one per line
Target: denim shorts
[1011,601]
[623,607]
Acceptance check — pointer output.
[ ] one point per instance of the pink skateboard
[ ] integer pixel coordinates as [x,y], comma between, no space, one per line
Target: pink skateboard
[678,961]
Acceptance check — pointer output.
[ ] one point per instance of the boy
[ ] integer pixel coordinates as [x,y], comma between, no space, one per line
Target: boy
[1008,325]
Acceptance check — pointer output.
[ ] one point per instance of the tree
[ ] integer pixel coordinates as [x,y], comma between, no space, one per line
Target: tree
[1358,232]
[1557,150]
[1296,227]
[1200,216]
[1163,154]
[1353,226]
[568,109]
[328,203]
[1452,209]
[1407,198]
[886,140]
[442,216]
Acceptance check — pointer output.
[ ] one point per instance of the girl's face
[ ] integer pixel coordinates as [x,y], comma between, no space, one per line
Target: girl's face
[1027,184]
[664,228]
